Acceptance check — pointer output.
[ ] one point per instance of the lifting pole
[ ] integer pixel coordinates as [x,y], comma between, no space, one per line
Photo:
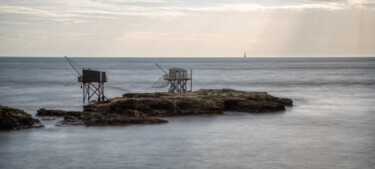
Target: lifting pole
[69,61]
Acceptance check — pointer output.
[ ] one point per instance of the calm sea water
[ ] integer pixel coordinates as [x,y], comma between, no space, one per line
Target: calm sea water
[331,125]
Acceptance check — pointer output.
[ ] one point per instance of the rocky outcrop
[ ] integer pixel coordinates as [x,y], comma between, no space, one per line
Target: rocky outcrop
[11,118]
[205,101]
[100,118]
[138,108]
[45,112]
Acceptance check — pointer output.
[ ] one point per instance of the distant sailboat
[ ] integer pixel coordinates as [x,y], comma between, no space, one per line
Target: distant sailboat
[244,55]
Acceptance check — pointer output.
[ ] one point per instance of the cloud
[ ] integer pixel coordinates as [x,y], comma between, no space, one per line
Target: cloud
[326,1]
[54,15]
[185,27]
[130,1]
[72,11]
[369,4]
[167,36]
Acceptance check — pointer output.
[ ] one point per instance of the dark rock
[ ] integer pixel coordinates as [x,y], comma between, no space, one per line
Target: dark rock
[252,106]
[11,118]
[101,118]
[138,108]
[45,112]
[118,119]
[205,101]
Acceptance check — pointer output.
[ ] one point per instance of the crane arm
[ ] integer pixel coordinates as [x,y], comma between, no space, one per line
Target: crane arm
[69,61]
[161,68]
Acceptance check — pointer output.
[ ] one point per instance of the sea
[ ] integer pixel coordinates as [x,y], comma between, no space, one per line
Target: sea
[330,126]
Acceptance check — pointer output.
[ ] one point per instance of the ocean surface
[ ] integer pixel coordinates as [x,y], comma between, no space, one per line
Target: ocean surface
[330,126]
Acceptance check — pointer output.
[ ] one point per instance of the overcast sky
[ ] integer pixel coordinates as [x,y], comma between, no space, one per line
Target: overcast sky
[187,28]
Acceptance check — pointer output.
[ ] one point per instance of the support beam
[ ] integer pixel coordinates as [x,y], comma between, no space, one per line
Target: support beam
[93,89]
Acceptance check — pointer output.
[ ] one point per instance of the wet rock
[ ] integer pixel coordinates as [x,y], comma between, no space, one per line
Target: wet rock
[205,101]
[243,105]
[45,112]
[101,118]
[11,118]
[119,119]
[139,108]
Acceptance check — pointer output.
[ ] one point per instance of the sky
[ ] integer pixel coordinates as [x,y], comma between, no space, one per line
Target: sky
[187,28]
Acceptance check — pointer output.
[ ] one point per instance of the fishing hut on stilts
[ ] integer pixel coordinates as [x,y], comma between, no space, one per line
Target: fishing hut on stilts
[177,79]
[92,83]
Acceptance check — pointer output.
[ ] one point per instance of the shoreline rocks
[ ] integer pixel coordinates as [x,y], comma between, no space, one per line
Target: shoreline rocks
[14,119]
[204,101]
[99,118]
[141,108]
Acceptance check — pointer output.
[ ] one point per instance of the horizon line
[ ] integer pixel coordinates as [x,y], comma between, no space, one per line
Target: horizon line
[316,56]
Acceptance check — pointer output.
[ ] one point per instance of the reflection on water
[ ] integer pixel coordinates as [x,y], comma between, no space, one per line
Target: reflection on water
[330,126]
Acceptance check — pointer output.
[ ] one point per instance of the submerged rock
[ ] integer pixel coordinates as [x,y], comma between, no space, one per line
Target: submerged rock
[48,118]
[11,118]
[138,108]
